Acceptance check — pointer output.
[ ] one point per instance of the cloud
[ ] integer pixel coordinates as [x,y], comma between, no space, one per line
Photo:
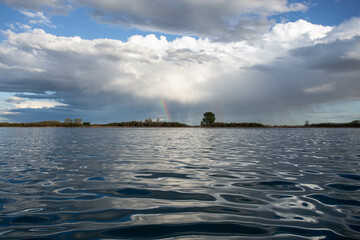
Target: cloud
[14,100]
[52,6]
[7,113]
[288,67]
[222,20]
[37,18]
[13,107]
[18,26]
[338,56]
[21,103]
[293,34]
[229,20]
[346,30]
[137,67]
[338,51]
[320,89]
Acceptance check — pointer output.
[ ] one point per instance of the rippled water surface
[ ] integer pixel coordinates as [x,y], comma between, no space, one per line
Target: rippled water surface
[111,183]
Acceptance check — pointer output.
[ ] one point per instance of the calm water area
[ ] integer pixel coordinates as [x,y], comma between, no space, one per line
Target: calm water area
[186,183]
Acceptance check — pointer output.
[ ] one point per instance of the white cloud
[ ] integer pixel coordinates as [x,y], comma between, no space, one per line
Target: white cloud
[293,34]
[36,18]
[346,30]
[38,104]
[138,67]
[21,103]
[9,113]
[259,76]
[325,88]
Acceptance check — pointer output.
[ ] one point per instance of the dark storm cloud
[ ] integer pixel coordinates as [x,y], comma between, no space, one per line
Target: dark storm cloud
[38,96]
[335,57]
[36,115]
[323,73]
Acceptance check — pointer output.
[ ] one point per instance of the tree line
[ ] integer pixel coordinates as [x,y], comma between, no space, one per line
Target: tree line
[79,123]
[207,121]
[353,124]
[45,124]
[147,123]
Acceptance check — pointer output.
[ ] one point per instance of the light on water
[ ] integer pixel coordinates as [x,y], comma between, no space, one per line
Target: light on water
[190,183]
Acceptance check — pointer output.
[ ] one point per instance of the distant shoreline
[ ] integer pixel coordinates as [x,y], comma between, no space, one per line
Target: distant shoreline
[141,124]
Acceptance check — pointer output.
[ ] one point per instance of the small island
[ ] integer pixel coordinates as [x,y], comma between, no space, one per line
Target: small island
[208,121]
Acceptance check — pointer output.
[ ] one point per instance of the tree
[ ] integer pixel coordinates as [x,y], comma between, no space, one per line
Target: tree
[208,120]
[78,121]
[68,120]
[148,121]
[306,123]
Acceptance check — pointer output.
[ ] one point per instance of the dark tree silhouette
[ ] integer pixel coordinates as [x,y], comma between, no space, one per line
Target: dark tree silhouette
[208,120]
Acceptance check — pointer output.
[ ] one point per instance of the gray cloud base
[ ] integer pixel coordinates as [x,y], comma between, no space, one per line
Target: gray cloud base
[229,20]
[61,7]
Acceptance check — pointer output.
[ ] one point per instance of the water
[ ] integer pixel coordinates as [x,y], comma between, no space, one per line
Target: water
[111,183]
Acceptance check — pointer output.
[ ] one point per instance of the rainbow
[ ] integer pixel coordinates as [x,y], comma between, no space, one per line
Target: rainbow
[166,110]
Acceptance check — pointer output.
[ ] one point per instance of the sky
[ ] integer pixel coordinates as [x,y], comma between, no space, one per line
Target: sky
[267,61]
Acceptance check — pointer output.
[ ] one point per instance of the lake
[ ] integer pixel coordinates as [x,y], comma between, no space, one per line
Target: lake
[186,183]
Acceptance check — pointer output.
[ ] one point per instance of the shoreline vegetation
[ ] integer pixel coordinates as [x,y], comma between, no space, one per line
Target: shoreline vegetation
[148,123]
